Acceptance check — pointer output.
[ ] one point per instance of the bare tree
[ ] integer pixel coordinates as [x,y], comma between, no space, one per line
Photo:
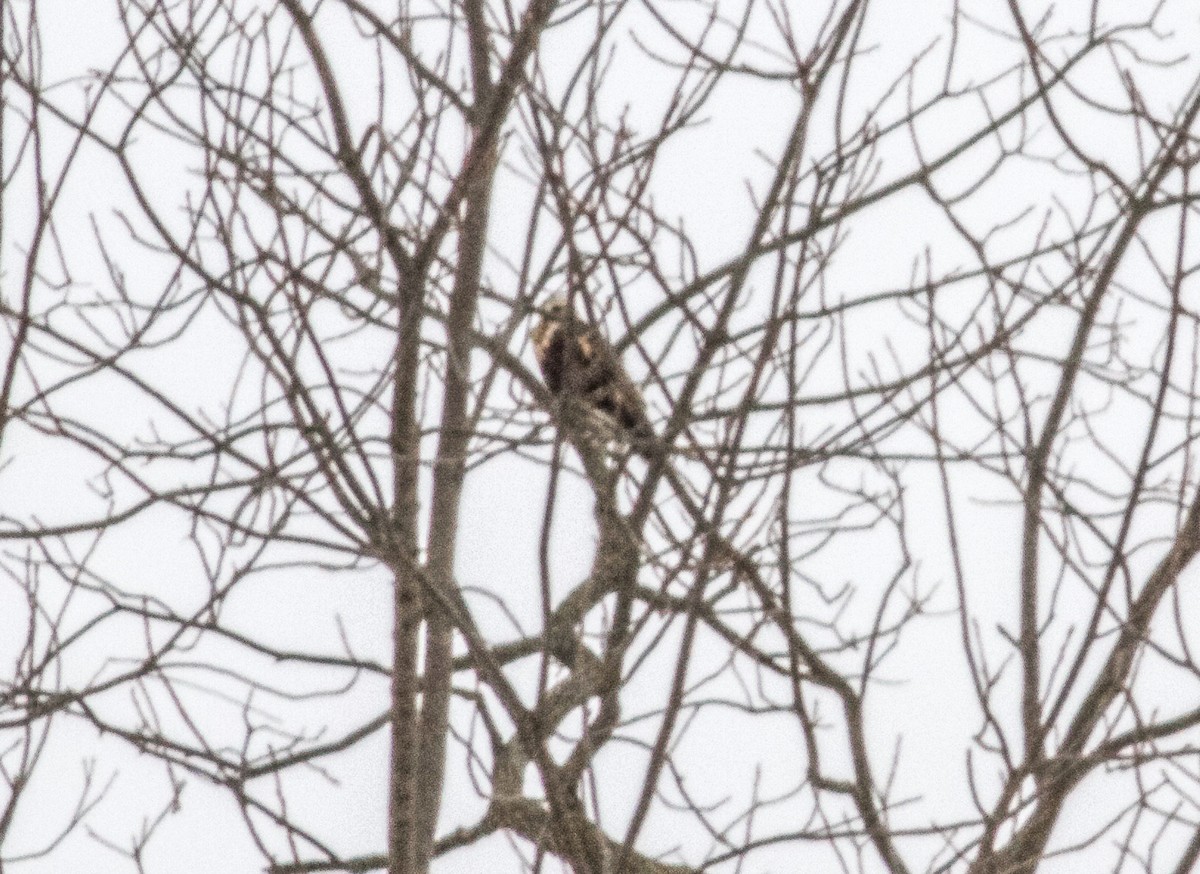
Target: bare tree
[902,580]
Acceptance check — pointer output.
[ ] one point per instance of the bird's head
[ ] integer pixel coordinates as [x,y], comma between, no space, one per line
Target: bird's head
[557,308]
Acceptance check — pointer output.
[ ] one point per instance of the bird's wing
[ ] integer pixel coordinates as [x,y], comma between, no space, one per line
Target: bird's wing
[607,385]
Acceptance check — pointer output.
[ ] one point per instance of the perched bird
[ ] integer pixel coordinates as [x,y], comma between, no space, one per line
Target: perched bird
[577,362]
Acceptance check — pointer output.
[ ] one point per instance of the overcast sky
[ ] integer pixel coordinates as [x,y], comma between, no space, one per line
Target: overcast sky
[707,178]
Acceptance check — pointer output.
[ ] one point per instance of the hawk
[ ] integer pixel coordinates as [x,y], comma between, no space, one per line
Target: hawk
[577,362]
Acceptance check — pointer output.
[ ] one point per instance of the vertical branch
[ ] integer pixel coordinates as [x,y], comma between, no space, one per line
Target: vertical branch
[1030,645]
[453,444]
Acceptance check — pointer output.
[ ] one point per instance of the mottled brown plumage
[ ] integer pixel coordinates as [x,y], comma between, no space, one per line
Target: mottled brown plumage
[578,362]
